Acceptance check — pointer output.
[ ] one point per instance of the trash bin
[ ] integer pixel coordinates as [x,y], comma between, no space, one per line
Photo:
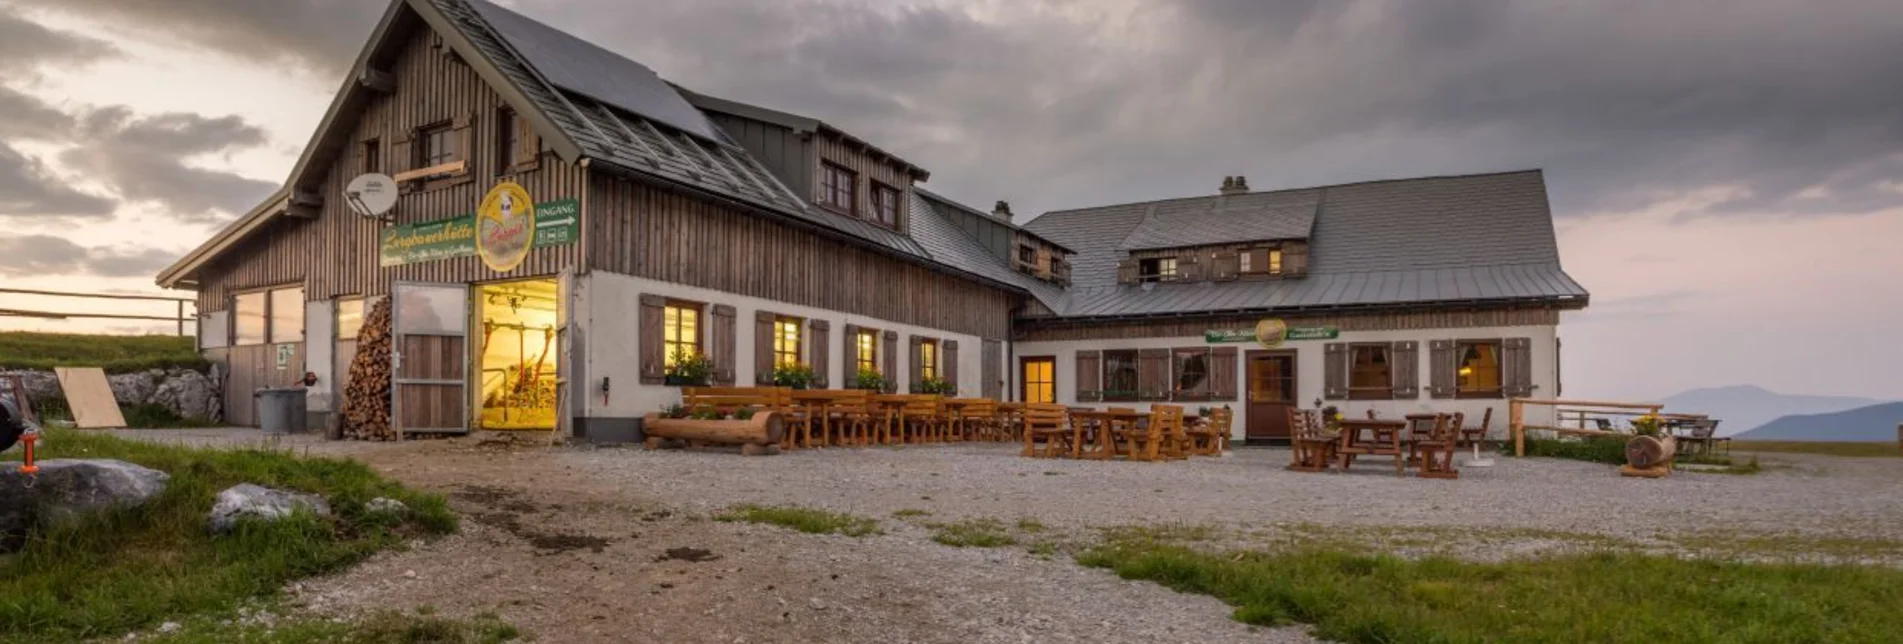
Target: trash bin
[280,411]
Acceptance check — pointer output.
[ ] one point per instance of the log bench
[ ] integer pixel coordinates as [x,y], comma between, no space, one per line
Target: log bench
[757,436]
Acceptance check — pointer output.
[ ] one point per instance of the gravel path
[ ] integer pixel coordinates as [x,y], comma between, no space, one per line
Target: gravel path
[572,543]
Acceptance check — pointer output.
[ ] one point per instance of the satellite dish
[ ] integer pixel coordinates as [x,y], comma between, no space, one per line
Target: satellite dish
[371,195]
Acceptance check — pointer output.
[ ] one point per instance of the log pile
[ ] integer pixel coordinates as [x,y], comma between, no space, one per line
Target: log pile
[367,399]
[1649,456]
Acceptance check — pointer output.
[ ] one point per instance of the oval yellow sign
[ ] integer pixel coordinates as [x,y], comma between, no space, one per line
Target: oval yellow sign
[1271,332]
[505,227]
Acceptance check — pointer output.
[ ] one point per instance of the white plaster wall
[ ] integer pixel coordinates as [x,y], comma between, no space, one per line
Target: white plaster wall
[320,351]
[214,330]
[1308,358]
[609,305]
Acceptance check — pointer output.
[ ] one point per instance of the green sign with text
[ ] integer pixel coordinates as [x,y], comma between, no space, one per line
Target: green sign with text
[557,223]
[1272,336]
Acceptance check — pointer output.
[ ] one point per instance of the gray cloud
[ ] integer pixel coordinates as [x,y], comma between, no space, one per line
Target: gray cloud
[28,118]
[25,45]
[29,189]
[321,36]
[1063,103]
[37,255]
[142,158]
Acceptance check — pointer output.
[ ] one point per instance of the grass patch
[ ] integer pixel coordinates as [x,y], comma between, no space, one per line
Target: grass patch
[1603,597]
[1594,449]
[809,520]
[1160,534]
[114,353]
[1028,525]
[973,533]
[1782,547]
[910,513]
[125,570]
[382,628]
[1881,450]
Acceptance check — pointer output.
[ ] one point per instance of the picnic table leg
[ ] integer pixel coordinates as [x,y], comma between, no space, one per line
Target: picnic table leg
[1400,456]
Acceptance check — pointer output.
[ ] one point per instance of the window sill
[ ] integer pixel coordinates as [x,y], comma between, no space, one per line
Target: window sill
[1494,394]
[1384,394]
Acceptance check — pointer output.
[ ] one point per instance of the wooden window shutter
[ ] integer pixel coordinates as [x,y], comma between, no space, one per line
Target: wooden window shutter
[1043,268]
[721,345]
[1089,376]
[1127,271]
[1335,371]
[1223,267]
[849,357]
[400,156]
[1516,365]
[1259,260]
[818,349]
[1295,259]
[528,146]
[948,363]
[1222,373]
[465,130]
[891,359]
[763,347]
[1153,374]
[915,373]
[1405,360]
[1189,268]
[1441,366]
[991,370]
[653,320]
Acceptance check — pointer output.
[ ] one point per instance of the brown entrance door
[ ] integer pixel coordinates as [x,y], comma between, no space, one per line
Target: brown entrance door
[1271,387]
[1038,380]
[429,358]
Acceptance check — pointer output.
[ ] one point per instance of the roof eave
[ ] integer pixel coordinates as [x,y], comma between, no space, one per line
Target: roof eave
[178,273]
[1561,302]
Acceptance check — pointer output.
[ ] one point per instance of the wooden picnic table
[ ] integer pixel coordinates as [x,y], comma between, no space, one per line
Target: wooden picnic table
[1104,424]
[1385,441]
[819,404]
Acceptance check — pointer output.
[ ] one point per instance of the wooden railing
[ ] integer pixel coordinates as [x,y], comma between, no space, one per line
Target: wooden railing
[1516,417]
[179,317]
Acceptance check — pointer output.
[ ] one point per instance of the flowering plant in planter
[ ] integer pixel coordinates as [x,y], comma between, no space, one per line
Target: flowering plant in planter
[796,375]
[674,411]
[1647,425]
[935,386]
[869,379]
[690,368]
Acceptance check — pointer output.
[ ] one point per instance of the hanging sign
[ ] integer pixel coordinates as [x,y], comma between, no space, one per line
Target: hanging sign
[556,223]
[505,226]
[1271,333]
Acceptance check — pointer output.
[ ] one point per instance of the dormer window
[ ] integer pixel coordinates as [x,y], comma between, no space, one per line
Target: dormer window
[1163,269]
[838,189]
[1260,261]
[885,204]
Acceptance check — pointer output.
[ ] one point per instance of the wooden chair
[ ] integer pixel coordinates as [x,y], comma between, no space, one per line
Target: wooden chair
[923,418]
[888,423]
[1470,436]
[1312,449]
[1049,425]
[1701,437]
[978,420]
[853,418]
[1160,439]
[1435,452]
[1171,425]
[1211,437]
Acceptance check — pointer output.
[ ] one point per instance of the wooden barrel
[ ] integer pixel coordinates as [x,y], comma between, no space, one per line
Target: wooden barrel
[764,428]
[1645,452]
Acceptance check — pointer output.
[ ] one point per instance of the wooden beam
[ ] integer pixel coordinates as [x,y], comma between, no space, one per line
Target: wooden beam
[377,80]
[422,173]
[302,197]
[303,211]
[103,296]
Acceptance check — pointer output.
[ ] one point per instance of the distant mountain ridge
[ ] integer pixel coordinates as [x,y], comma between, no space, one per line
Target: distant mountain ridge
[1872,423]
[1742,408]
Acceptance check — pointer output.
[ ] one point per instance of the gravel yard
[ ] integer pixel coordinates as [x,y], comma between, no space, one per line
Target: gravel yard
[573,542]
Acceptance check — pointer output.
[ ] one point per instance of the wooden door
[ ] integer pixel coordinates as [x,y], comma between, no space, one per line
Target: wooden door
[429,358]
[1037,380]
[1271,391]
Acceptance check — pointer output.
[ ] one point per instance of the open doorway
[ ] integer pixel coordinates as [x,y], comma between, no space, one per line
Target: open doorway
[516,324]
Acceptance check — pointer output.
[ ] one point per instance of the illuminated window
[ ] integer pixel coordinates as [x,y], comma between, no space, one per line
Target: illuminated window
[1040,380]
[349,317]
[287,315]
[1478,375]
[680,334]
[786,341]
[928,360]
[1370,374]
[1275,261]
[866,354]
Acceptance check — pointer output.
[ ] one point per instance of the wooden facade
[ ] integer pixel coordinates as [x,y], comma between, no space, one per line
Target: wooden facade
[335,254]
[1132,329]
[641,230]
[869,165]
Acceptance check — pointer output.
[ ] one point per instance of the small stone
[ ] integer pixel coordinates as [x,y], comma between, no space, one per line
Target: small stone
[246,500]
[409,574]
[817,604]
[381,505]
[169,627]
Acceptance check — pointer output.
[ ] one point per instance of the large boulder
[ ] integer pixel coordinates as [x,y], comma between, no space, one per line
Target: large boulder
[65,489]
[189,394]
[245,500]
[134,388]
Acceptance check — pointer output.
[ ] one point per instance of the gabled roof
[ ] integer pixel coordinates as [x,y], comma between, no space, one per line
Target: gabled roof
[1470,239]
[796,123]
[637,130]
[946,202]
[1226,219]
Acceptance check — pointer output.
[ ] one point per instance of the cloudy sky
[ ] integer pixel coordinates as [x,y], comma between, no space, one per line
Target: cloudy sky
[1727,174]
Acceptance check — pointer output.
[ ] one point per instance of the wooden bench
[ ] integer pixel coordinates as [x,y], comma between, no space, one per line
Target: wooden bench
[763,433]
[1047,424]
[1211,437]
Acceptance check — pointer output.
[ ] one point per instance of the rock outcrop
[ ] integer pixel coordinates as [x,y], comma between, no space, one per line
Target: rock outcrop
[187,393]
[66,489]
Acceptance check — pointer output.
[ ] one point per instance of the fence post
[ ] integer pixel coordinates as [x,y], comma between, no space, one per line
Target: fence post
[181,318]
[1516,417]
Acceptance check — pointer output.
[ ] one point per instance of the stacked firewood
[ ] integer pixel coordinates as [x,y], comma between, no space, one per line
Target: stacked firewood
[367,399]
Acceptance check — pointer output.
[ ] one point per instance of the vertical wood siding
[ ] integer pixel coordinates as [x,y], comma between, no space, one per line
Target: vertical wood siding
[832,149]
[1112,330]
[336,254]
[637,229]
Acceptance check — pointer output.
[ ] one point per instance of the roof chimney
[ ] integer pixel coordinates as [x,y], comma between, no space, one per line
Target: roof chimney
[1002,210]
[1235,185]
